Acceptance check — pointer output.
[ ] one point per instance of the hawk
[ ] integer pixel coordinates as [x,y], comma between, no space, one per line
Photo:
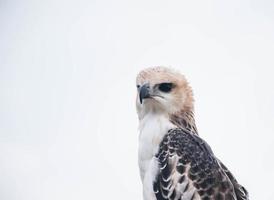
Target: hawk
[175,162]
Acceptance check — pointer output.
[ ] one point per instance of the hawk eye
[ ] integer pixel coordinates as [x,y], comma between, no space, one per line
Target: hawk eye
[166,87]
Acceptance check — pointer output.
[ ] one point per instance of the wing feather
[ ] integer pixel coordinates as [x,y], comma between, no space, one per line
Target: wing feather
[188,169]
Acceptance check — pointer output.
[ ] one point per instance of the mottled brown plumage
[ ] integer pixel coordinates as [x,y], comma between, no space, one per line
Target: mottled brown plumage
[175,162]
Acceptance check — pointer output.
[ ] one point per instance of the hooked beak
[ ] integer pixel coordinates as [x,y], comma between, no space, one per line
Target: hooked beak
[144,92]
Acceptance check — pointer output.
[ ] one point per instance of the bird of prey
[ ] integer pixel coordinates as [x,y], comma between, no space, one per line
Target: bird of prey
[175,162]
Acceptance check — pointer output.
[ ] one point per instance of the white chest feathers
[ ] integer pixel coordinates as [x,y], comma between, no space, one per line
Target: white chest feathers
[152,128]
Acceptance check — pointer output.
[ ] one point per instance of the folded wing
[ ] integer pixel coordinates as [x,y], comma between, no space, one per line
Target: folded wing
[188,169]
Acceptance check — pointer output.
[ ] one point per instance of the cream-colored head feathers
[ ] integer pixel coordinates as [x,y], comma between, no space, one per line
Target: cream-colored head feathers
[179,99]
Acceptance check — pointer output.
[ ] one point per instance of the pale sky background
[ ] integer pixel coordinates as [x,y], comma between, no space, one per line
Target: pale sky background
[68,126]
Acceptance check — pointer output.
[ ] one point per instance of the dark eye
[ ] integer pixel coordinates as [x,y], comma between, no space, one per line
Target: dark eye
[138,86]
[165,87]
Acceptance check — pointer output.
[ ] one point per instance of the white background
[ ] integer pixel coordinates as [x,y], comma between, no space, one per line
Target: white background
[68,126]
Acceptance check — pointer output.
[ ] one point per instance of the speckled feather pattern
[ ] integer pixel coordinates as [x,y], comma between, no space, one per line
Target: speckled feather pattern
[175,163]
[199,175]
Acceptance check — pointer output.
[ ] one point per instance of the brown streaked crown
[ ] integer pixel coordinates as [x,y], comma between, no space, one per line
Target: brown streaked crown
[182,92]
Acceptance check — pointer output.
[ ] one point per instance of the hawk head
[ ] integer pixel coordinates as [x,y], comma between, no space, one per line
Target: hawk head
[163,90]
